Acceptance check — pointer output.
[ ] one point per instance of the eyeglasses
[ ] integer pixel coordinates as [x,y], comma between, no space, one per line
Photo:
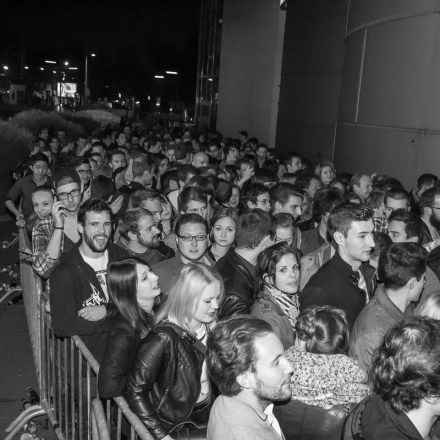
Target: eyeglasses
[72,194]
[188,238]
[83,171]
[435,207]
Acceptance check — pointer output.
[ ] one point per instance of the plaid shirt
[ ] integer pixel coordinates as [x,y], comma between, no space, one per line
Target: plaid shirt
[41,235]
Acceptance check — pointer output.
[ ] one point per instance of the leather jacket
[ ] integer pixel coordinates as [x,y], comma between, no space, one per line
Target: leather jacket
[299,421]
[164,383]
[239,286]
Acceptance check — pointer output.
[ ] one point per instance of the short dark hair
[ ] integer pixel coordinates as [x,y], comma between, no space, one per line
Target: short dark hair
[343,216]
[406,366]
[427,198]
[184,219]
[142,164]
[129,221]
[397,194]
[413,223]
[281,193]
[250,192]
[92,205]
[39,157]
[426,179]
[188,194]
[231,350]
[252,227]
[324,330]
[43,188]
[102,188]
[400,262]
[142,195]
[375,199]
[326,200]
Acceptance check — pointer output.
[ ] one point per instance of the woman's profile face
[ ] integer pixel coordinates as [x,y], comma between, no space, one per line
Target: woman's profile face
[224,231]
[207,306]
[147,287]
[287,274]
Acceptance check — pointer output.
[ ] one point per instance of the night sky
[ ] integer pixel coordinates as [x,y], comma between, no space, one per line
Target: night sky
[133,41]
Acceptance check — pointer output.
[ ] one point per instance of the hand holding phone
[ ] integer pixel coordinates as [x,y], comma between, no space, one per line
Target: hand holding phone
[59,214]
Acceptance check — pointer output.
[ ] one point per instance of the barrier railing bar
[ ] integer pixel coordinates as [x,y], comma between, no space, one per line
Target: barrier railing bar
[100,420]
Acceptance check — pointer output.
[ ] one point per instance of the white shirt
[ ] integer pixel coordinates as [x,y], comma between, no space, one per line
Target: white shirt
[99,265]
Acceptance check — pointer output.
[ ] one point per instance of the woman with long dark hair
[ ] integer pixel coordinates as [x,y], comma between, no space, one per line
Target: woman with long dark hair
[276,290]
[168,386]
[133,289]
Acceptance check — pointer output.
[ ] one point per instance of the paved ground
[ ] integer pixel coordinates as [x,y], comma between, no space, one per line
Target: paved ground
[17,370]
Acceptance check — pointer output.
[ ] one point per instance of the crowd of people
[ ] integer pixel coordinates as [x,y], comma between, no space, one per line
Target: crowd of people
[225,286]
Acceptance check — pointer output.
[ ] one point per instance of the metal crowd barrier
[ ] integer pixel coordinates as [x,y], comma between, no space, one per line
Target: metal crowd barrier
[67,375]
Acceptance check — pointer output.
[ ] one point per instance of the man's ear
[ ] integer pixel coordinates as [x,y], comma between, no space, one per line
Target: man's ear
[245,380]
[131,236]
[276,208]
[80,228]
[251,205]
[339,238]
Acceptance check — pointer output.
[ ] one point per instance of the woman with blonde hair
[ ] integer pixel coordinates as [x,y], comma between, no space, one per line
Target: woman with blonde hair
[168,386]
[429,307]
[326,172]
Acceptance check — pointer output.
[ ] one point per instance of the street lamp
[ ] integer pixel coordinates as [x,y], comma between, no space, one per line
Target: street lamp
[86,78]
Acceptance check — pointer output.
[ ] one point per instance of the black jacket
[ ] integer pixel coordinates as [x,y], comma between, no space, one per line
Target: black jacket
[239,286]
[299,421]
[120,351]
[164,383]
[73,285]
[374,419]
[334,285]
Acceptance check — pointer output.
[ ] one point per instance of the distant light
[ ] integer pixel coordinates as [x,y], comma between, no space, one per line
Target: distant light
[148,97]
[66,63]
[119,95]
[26,67]
[53,71]
[157,104]
[50,62]
[5,67]
[171,109]
[159,76]
[41,68]
[137,102]
[171,72]
[210,79]
[73,68]
[93,54]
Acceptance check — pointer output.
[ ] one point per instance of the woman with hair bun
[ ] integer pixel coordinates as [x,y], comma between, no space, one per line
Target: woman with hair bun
[325,381]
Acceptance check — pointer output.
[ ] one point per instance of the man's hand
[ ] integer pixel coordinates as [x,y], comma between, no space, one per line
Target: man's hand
[93,313]
[59,214]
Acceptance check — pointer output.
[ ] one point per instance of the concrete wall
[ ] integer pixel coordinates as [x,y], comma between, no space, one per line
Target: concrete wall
[311,77]
[250,68]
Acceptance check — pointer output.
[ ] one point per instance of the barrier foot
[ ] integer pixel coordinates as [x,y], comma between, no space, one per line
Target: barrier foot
[22,419]
[8,294]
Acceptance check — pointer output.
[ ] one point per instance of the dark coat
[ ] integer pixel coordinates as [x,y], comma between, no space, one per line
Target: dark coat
[379,421]
[120,351]
[334,285]
[164,383]
[73,285]
[239,286]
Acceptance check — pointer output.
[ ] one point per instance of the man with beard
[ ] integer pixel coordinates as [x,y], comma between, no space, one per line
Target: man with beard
[346,280]
[246,361]
[78,289]
[140,237]
[429,205]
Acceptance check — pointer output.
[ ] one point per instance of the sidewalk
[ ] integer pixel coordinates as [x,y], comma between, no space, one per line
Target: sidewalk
[17,370]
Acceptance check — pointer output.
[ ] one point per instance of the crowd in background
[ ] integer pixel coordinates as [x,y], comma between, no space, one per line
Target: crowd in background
[212,277]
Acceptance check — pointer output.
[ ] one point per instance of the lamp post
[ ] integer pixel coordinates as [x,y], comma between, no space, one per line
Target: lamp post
[86,78]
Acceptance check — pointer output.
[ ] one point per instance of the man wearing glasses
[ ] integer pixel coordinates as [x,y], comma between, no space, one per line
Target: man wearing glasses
[192,241]
[58,234]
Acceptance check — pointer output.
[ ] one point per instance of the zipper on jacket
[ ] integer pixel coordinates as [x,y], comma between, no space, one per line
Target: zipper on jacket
[163,399]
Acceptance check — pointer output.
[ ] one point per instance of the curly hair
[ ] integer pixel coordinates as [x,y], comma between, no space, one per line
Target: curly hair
[406,366]
[231,350]
[324,330]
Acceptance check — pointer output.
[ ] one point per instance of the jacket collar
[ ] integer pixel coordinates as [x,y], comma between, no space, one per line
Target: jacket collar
[387,304]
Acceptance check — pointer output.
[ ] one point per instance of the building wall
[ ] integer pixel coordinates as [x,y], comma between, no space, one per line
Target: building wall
[313,60]
[250,67]
[390,98]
